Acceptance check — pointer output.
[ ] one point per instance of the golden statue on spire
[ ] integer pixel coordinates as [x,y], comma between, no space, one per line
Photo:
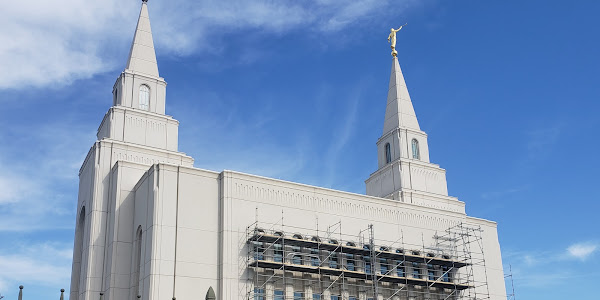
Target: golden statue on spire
[392,39]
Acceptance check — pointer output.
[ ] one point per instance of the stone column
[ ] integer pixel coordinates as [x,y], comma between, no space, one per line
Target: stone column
[269,291]
[289,291]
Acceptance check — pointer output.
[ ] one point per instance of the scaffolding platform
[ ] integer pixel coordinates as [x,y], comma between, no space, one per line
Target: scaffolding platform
[330,265]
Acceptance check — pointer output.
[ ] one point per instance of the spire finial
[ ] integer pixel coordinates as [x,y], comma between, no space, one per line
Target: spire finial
[20,292]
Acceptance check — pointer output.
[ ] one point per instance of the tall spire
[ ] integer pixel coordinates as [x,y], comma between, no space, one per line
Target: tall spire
[142,58]
[399,111]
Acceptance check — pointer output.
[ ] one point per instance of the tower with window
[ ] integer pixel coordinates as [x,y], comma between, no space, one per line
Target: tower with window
[151,225]
[111,252]
[404,171]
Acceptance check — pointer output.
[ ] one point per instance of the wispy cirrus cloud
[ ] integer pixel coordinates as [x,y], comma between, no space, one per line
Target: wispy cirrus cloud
[582,251]
[54,43]
[546,267]
[45,264]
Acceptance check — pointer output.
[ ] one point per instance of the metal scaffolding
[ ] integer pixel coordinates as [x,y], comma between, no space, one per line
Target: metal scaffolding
[293,263]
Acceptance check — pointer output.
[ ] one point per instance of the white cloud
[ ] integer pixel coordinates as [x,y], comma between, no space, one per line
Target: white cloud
[51,43]
[40,183]
[46,264]
[582,250]
[13,188]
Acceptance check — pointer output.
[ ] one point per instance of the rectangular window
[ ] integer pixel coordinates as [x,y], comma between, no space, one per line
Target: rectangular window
[399,268]
[259,294]
[368,265]
[446,274]
[298,296]
[278,295]
[416,271]
[383,266]
[297,258]
[277,253]
[430,272]
[352,298]
[314,257]
[258,251]
[333,261]
[336,297]
[316,296]
[350,262]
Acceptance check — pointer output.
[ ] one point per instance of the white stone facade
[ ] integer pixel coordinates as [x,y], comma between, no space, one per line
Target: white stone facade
[151,224]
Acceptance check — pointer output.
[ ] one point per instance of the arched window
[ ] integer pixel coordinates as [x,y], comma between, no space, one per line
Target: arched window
[415,149]
[77,253]
[144,97]
[388,153]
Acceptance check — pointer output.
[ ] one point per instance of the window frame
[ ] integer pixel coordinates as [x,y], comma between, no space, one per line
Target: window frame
[416,151]
[388,153]
[146,105]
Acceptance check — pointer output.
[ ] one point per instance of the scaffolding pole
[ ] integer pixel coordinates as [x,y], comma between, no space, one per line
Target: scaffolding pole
[283,259]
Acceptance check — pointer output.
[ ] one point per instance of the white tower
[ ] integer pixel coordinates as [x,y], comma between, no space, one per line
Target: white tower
[404,171]
[134,132]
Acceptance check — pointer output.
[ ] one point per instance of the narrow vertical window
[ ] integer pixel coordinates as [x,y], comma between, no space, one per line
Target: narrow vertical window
[445,274]
[259,250]
[400,268]
[297,255]
[277,252]
[333,260]
[115,97]
[383,266]
[78,253]
[415,149]
[416,270]
[144,97]
[388,153]
[350,262]
[430,272]
[138,261]
[314,257]
[367,264]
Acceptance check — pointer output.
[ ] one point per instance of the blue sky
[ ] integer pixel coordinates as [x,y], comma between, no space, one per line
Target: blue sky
[507,91]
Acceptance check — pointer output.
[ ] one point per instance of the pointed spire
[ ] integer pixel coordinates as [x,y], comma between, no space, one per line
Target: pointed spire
[399,111]
[142,57]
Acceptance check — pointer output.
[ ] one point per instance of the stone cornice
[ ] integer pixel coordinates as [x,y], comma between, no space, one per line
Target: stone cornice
[403,160]
[417,132]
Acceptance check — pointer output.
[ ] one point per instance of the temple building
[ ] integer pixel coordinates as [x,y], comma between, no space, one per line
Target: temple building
[150,225]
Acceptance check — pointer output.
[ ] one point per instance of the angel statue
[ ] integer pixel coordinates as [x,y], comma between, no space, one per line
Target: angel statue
[392,38]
